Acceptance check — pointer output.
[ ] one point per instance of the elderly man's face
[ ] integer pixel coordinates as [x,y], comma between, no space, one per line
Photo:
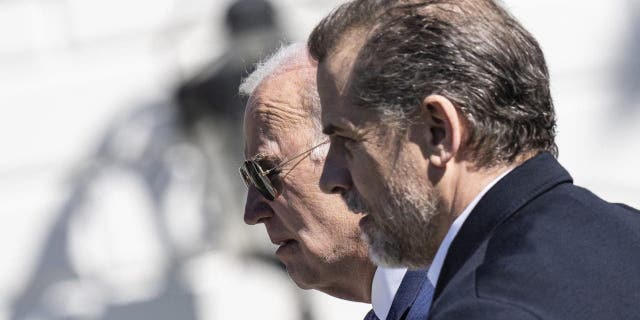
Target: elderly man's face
[318,238]
[378,170]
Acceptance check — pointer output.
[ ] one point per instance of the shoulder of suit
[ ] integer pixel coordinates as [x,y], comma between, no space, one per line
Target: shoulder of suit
[562,243]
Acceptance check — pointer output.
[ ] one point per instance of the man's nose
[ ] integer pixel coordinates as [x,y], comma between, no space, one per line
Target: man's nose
[335,176]
[256,209]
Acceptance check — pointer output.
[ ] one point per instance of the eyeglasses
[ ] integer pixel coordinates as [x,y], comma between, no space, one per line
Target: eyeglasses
[254,175]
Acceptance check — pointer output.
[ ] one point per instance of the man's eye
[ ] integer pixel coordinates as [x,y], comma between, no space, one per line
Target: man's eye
[275,178]
[348,139]
[345,142]
[342,137]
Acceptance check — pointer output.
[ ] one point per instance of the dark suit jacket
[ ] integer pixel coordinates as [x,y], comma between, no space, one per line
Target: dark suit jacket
[538,247]
[411,297]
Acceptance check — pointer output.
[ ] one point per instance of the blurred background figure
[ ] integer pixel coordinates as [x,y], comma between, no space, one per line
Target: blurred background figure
[213,92]
[171,166]
[120,142]
[209,112]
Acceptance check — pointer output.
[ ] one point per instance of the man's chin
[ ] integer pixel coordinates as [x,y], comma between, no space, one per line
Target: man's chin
[377,255]
[383,251]
[372,237]
[298,277]
[295,264]
[385,258]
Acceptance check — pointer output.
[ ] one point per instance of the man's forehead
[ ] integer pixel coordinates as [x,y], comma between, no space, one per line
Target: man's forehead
[271,130]
[277,103]
[337,67]
[277,109]
[348,118]
[339,60]
[335,74]
[276,112]
[339,110]
[264,141]
[263,126]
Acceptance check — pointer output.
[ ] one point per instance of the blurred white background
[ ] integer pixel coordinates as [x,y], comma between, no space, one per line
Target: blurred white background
[71,70]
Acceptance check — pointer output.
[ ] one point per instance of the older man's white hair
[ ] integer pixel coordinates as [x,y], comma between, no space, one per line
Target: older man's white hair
[290,58]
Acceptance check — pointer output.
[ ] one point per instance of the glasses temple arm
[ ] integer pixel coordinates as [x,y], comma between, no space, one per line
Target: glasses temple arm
[296,156]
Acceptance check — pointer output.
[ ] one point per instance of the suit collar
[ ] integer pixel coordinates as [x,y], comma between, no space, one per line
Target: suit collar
[407,293]
[521,185]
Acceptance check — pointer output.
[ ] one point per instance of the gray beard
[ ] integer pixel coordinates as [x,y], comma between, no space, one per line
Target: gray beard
[402,232]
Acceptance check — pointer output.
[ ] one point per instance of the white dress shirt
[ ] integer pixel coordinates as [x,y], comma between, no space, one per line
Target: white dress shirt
[436,266]
[386,282]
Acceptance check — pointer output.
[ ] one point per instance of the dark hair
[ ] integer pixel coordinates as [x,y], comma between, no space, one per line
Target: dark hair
[351,15]
[470,51]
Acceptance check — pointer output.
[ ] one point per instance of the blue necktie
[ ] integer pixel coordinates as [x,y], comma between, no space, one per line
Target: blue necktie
[420,308]
[427,291]
[371,316]
[421,305]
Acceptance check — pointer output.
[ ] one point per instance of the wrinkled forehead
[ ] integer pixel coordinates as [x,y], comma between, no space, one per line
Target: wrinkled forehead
[275,119]
[260,141]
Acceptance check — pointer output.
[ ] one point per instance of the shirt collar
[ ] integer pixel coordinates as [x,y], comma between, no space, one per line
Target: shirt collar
[438,260]
[386,282]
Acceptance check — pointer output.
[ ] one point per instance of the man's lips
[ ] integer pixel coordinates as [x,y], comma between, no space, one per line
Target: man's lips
[285,247]
[282,241]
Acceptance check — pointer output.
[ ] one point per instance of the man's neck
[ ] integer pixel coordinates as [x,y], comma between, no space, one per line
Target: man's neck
[463,186]
[356,287]
[469,185]
[454,227]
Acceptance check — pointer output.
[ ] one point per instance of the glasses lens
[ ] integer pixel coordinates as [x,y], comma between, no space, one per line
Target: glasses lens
[259,180]
[245,175]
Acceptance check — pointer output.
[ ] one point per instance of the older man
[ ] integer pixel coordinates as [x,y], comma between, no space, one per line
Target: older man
[318,239]
[442,124]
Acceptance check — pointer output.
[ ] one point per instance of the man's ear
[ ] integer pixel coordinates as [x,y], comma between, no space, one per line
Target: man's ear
[443,127]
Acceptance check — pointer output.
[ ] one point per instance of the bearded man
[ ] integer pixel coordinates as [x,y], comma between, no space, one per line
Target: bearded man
[442,128]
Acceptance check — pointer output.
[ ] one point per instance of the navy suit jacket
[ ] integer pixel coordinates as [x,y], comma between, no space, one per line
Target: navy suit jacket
[538,247]
[410,301]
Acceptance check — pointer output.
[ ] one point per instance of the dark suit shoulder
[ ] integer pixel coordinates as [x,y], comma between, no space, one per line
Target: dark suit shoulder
[565,255]
[567,220]
[537,246]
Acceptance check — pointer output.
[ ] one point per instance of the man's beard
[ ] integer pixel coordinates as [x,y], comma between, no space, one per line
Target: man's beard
[401,232]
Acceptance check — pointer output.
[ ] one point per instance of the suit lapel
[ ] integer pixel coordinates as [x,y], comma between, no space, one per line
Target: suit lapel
[517,188]
[407,293]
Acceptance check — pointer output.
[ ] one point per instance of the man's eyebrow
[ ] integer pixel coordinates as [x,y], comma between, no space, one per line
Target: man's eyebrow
[266,157]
